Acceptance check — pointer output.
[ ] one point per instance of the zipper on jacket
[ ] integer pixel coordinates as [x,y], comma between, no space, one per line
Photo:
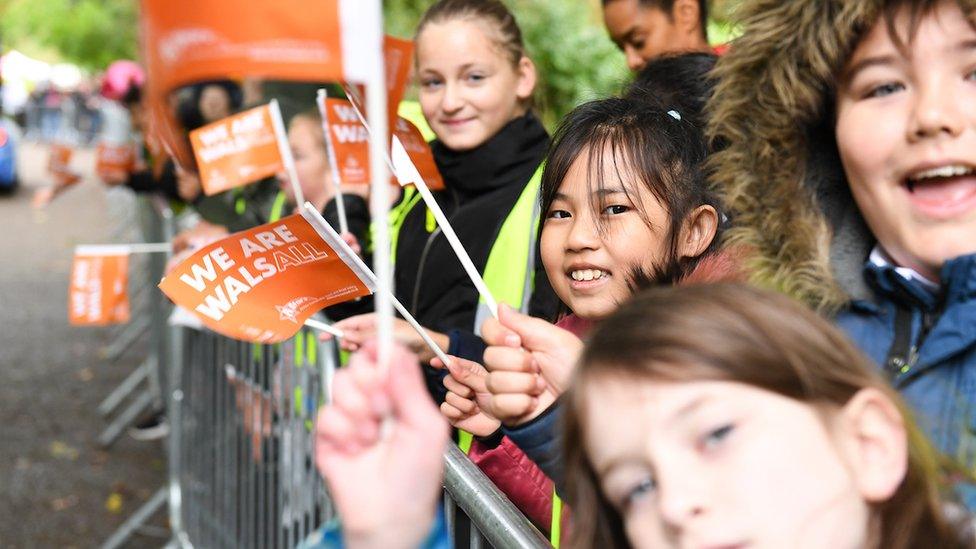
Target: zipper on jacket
[903,354]
[415,298]
[423,255]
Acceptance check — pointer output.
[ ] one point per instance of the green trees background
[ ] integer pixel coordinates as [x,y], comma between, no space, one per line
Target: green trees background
[565,38]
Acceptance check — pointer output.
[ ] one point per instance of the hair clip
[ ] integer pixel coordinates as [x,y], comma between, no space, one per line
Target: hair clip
[675,114]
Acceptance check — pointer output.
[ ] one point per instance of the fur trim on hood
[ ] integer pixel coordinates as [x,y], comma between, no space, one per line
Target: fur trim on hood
[780,177]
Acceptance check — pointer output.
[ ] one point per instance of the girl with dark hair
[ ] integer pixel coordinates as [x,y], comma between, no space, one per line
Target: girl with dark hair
[749,421]
[626,205]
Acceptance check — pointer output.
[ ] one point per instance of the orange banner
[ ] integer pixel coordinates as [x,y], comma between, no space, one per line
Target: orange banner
[419,154]
[237,150]
[260,285]
[397,62]
[97,294]
[111,159]
[349,141]
[188,41]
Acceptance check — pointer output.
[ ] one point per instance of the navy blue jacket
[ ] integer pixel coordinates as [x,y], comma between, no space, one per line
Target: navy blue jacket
[926,342]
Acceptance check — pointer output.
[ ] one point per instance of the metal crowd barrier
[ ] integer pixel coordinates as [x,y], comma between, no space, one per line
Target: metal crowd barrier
[241,461]
[142,219]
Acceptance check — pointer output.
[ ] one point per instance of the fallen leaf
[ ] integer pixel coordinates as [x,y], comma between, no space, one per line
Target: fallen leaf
[61,450]
[86,374]
[114,503]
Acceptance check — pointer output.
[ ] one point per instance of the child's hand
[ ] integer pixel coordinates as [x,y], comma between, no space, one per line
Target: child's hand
[353,243]
[467,402]
[530,363]
[519,391]
[358,329]
[385,482]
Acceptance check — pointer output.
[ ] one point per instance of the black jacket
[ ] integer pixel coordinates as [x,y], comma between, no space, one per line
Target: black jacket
[482,186]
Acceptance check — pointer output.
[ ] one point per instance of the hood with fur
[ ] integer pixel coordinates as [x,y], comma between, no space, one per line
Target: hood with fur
[780,176]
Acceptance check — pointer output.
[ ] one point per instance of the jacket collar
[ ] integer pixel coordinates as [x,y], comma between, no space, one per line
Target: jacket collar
[958,282]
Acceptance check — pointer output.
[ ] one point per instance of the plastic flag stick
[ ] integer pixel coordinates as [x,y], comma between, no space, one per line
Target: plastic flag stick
[333,165]
[323,327]
[282,136]
[120,249]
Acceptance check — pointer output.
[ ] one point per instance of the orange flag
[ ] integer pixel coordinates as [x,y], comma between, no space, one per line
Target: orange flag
[97,294]
[260,285]
[412,142]
[237,150]
[187,41]
[112,159]
[349,140]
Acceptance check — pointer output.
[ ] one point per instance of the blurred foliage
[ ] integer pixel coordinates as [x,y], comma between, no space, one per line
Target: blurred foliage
[566,40]
[89,33]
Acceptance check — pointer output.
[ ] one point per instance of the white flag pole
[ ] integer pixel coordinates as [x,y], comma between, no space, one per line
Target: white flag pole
[406,168]
[333,165]
[379,211]
[323,327]
[124,249]
[281,136]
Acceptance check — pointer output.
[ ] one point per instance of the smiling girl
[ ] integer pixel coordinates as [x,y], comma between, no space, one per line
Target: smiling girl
[476,83]
[626,206]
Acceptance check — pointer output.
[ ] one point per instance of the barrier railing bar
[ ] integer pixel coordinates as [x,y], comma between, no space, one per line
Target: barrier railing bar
[490,511]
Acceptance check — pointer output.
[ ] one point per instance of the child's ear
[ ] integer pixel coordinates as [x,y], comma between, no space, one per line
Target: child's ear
[698,231]
[526,79]
[876,444]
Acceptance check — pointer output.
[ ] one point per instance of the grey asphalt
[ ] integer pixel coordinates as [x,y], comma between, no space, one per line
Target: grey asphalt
[57,488]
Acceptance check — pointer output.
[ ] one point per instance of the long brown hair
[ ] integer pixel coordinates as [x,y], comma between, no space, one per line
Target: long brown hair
[731,332]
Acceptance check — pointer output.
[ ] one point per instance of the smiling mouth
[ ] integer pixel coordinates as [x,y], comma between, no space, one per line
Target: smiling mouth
[457,122]
[935,176]
[942,192]
[587,275]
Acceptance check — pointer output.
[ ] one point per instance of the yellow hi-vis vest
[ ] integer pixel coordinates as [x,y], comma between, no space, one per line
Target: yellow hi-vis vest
[509,274]
[277,207]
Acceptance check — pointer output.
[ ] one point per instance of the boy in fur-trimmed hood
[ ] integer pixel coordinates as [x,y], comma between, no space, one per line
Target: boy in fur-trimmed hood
[850,173]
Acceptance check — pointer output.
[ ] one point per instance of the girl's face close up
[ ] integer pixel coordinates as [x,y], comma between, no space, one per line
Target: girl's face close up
[906,132]
[311,163]
[720,464]
[469,88]
[594,237]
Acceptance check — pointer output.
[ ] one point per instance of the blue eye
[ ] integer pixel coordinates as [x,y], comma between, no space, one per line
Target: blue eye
[971,76]
[639,491]
[884,90]
[558,214]
[615,209]
[429,83]
[716,436]
[476,77]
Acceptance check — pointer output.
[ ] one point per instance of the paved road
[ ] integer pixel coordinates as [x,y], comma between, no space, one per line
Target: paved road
[57,489]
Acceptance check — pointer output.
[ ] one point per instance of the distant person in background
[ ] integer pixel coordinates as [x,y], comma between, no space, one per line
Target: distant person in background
[645,29]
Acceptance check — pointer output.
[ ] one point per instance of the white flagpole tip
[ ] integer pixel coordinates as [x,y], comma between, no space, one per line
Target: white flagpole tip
[323,327]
